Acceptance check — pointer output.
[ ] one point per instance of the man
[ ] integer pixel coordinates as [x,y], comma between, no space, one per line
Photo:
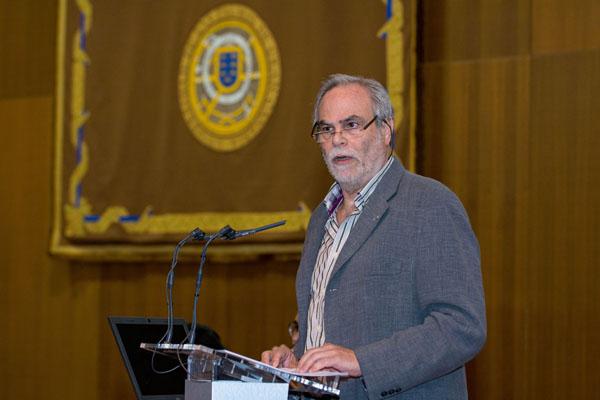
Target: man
[389,285]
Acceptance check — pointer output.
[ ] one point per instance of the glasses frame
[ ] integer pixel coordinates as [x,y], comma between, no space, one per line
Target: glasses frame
[366,126]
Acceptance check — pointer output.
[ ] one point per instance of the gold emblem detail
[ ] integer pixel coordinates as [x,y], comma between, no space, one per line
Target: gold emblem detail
[229,77]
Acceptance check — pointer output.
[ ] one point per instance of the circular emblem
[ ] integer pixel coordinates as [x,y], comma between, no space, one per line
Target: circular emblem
[229,77]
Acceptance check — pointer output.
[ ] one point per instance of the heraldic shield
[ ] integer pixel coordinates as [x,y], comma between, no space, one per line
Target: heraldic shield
[230,60]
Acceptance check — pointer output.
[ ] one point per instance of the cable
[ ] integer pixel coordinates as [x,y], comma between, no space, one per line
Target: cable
[222,232]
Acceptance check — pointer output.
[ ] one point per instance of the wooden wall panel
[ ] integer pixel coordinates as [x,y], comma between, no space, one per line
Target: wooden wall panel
[28,31]
[48,308]
[565,223]
[517,137]
[21,237]
[466,29]
[475,137]
[45,315]
[560,25]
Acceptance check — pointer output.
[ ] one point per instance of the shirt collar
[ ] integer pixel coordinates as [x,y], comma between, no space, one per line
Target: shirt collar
[335,196]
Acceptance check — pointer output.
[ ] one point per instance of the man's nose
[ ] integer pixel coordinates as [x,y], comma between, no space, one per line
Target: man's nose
[338,138]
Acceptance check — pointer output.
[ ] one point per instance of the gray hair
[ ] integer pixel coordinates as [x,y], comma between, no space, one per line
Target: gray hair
[382,107]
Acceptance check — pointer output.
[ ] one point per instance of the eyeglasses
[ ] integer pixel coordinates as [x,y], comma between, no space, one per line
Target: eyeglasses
[322,132]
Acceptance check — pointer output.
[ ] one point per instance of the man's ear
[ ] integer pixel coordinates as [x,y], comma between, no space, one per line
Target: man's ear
[390,135]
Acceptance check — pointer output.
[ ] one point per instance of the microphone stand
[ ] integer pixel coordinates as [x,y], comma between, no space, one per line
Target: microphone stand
[223,231]
[196,234]
[229,234]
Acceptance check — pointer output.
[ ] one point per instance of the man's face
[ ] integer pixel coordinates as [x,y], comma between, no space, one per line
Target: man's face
[352,160]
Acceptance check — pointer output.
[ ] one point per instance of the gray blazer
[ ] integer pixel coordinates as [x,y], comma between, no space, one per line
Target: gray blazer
[406,292]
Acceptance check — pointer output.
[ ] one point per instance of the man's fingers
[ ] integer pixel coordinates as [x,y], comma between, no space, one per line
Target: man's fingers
[311,357]
[276,359]
[330,357]
[278,356]
[266,357]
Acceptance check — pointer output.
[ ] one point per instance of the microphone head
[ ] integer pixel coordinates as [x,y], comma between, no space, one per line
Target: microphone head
[197,234]
[228,233]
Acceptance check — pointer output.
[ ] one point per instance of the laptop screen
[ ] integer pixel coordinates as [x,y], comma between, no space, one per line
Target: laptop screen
[129,332]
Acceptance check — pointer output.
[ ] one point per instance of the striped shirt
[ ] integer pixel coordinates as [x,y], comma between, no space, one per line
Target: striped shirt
[333,241]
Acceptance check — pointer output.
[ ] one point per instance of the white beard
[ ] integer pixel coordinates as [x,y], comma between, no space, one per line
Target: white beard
[363,167]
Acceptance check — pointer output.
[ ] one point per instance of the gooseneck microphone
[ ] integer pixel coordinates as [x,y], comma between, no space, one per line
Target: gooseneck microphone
[217,235]
[229,234]
[233,234]
[196,234]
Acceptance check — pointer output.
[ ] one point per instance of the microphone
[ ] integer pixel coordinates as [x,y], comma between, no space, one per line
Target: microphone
[233,234]
[224,230]
[227,233]
[196,234]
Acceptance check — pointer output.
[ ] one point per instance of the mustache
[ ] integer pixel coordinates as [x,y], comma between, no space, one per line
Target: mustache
[338,153]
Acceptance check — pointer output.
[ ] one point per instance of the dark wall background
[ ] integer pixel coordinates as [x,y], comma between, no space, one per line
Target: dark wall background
[507,118]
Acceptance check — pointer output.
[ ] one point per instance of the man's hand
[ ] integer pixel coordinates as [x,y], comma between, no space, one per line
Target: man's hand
[330,356]
[280,357]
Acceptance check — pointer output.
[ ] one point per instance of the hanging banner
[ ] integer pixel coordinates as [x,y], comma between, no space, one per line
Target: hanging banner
[172,115]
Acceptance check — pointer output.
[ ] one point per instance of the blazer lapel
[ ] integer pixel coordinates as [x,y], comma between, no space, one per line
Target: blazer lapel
[372,214]
[314,236]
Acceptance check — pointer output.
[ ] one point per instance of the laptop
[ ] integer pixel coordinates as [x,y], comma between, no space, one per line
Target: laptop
[129,332]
